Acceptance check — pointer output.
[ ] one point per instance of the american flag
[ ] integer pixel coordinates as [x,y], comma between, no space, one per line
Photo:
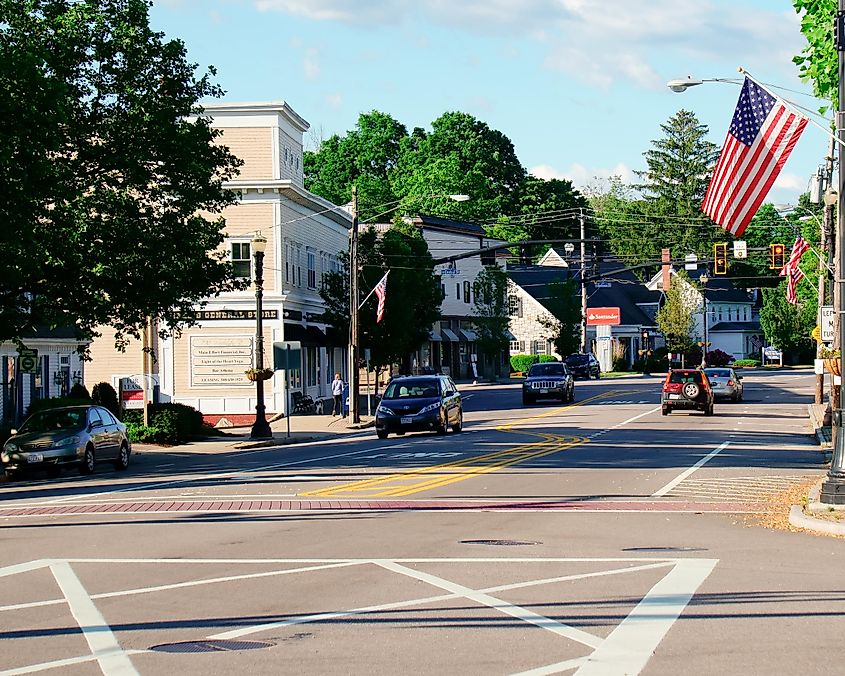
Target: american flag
[760,139]
[381,291]
[791,269]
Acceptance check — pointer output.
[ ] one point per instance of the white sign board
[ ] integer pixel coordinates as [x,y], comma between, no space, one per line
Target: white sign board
[740,249]
[691,262]
[772,353]
[826,323]
[220,360]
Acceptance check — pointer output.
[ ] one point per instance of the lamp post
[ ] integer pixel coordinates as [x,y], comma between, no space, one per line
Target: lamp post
[704,279]
[260,428]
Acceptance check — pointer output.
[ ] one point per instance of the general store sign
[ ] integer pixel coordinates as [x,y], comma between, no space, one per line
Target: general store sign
[603,316]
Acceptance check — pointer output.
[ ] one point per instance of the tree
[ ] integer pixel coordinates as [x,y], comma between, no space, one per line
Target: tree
[111,177]
[490,313]
[413,297]
[817,62]
[785,325]
[675,319]
[564,326]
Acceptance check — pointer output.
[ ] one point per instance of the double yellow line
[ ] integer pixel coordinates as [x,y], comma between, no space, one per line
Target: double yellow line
[426,478]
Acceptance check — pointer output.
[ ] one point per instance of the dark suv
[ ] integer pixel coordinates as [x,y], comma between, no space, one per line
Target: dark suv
[583,365]
[419,403]
[549,380]
[687,389]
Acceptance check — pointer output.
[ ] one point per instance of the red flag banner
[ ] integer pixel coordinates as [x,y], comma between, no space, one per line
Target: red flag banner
[760,139]
[792,271]
[381,291]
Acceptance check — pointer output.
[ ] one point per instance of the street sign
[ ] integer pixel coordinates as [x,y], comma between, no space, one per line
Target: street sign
[816,334]
[740,249]
[690,262]
[603,316]
[826,323]
[28,361]
[287,355]
[772,353]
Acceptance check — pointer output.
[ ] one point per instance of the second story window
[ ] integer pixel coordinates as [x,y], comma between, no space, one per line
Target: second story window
[288,263]
[514,306]
[467,292]
[241,258]
[312,270]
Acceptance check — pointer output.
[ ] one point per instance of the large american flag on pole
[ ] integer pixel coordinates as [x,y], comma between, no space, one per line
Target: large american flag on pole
[381,291]
[792,271]
[760,139]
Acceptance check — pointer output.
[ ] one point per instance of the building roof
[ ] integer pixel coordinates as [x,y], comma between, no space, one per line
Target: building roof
[448,225]
[736,326]
[43,332]
[721,289]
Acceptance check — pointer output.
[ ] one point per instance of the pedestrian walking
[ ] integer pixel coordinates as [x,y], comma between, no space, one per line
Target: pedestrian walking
[337,395]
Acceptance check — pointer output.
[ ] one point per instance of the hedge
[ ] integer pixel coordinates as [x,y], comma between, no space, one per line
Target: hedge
[746,363]
[174,423]
[547,358]
[522,362]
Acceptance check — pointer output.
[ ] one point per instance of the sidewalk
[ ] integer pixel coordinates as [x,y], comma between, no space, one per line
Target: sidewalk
[815,515]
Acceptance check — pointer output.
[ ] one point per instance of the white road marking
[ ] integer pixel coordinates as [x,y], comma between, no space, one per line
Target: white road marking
[683,475]
[636,417]
[556,668]
[112,659]
[481,598]
[630,645]
[56,664]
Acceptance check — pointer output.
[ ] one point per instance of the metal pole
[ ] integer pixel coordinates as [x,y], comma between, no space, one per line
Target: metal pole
[287,387]
[833,489]
[583,283]
[704,351]
[145,347]
[353,313]
[261,428]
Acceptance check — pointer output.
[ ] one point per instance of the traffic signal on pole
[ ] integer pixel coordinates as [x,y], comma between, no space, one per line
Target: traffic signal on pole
[777,256]
[720,259]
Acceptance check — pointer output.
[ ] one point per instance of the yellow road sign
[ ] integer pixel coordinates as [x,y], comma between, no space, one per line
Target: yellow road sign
[817,334]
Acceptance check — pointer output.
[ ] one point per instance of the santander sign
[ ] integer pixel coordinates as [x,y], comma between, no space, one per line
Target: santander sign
[603,316]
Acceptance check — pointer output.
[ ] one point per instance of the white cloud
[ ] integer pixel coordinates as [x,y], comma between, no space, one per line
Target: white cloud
[791,182]
[310,63]
[582,176]
[334,101]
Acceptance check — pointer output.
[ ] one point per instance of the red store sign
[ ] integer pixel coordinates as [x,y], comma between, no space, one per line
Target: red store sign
[603,316]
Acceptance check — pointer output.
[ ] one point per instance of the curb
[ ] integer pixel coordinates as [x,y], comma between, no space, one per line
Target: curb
[281,441]
[800,520]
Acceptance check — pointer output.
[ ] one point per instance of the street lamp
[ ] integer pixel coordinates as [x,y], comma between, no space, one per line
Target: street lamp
[260,428]
[704,279]
[682,84]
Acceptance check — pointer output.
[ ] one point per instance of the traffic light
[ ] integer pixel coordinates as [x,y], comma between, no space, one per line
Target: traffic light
[720,259]
[777,256]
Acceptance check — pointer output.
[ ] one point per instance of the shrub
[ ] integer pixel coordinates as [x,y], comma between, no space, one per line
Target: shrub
[143,435]
[718,358]
[105,395]
[620,364]
[176,423]
[523,362]
[54,402]
[547,358]
[79,391]
[746,363]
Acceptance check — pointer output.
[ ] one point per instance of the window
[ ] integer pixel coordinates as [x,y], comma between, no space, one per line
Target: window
[458,290]
[467,292]
[443,291]
[298,268]
[241,260]
[288,263]
[514,306]
[539,347]
[518,346]
[312,270]
[312,367]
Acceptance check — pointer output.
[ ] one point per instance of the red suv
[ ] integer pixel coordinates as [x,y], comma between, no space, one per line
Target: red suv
[687,389]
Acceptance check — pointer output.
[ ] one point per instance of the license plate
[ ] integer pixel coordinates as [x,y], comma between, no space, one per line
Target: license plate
[407,421]
[35,457]
[544,391]
[674,396]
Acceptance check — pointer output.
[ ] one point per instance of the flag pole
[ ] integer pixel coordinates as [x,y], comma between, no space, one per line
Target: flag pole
[373,289]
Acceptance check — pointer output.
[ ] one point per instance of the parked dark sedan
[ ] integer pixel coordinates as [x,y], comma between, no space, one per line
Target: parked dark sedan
[583,365]
[549,380]
[68,436]
[419,403]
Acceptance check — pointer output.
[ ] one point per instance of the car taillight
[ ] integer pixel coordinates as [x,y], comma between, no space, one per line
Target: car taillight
[730,383]
[673,387]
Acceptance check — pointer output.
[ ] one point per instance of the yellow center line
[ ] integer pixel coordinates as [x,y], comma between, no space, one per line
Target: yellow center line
[465,468]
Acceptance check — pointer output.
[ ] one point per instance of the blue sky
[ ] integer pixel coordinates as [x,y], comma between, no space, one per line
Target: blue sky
[577,85]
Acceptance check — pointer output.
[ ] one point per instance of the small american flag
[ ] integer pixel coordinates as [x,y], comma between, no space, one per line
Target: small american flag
[791,269]
[381,291]
[760,139]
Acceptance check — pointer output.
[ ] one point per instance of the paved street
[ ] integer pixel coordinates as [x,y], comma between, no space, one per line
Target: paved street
[597,537]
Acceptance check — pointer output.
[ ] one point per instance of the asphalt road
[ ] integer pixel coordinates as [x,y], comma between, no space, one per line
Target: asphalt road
[593,538]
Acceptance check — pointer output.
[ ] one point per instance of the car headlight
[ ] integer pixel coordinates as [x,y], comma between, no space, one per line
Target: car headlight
[67,441]
[4,456]
[10,448]
[431,407]
[384,410]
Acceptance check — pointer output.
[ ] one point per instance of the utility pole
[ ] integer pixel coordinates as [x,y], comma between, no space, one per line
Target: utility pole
[827,222]
[353,312]
[583,282]
[833,489]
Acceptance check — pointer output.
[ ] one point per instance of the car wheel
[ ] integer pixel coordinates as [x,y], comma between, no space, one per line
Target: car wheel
[666,410]
[709,410]
[458,426]
[89,462]
[381,434]
[441,424]
[10,475]
[691,390]
[122,461]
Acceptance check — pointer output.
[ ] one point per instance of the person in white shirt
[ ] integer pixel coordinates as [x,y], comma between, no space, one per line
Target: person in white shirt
[337,395]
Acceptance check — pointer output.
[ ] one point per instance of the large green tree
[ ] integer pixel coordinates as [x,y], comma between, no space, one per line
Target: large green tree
[675,319]
[490,314]
[564,325]
[818,60]
[413,297]
[107,165]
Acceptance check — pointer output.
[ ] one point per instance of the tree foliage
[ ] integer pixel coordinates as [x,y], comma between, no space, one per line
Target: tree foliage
[675,319]
[817,62]
[490,311]
[564,325]
[106,169]
[413,297]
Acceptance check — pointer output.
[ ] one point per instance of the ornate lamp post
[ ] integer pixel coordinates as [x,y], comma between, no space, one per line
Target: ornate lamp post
[704,279]
[261,428]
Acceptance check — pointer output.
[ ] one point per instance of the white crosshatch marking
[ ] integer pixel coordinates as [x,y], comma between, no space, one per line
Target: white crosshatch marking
[626,649]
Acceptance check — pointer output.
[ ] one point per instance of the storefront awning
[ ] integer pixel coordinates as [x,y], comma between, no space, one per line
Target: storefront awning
[467,336]
[307,335]
[434,336]
[449,335]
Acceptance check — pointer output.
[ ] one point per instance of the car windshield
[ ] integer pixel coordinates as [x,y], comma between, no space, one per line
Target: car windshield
[685,377]
[718,373]
[56,419]
[407,388]
[547,370]
[577,359]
